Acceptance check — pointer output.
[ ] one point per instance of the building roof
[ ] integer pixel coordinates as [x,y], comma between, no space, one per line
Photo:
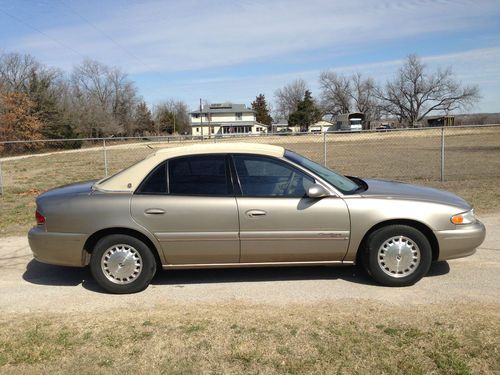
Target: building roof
[281,123]
[129,179]
[224,108]
[322,123]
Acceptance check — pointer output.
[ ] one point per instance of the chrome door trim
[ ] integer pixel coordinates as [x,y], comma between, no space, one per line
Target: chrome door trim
[294,235]
[198,236]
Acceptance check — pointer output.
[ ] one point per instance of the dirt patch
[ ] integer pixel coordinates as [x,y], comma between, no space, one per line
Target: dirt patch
[30,193]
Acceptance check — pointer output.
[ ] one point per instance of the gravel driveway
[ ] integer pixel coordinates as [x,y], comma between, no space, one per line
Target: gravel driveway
[29,286]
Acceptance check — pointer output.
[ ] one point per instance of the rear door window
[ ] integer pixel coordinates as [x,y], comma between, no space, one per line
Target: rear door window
[205,175]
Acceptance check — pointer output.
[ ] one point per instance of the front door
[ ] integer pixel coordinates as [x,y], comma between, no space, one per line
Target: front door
[278,223]
[189,205]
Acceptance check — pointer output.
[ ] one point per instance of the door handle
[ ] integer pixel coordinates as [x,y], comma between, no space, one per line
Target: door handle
[154,211]
[256,213]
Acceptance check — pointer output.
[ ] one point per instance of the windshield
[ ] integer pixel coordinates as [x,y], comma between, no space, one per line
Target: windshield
[345,185]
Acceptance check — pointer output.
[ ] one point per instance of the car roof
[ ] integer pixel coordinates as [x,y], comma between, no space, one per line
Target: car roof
[128,179]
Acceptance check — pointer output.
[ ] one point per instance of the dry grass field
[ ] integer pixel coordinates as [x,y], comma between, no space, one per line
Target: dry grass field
[472,161]
[361,338]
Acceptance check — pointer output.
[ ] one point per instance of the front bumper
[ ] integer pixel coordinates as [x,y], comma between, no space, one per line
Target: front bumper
[460,242]
[63,249]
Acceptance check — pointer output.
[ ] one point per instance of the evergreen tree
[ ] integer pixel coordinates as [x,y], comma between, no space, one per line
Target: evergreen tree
[55,125]
[307,113]
[165,121]
[143,120]
[259,105]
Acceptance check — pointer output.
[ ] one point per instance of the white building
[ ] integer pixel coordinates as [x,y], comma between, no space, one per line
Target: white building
[322,126]
[225,119]
[283,127]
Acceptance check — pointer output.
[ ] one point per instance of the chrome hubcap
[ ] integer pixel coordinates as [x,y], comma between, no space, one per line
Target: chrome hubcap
[398,256]
[121,264]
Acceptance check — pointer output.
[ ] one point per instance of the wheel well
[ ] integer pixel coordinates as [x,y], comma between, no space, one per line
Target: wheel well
[94,238]
[412,223]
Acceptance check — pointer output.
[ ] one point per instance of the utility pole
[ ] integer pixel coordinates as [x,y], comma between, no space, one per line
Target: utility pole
[209,125]
[201,119]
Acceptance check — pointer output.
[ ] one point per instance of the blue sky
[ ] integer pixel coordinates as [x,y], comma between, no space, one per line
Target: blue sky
[233,50]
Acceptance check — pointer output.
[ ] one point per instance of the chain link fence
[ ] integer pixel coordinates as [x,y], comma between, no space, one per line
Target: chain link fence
[432,154]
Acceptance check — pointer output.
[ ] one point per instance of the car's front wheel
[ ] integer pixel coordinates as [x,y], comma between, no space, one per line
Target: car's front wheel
[122,264]
[398,255]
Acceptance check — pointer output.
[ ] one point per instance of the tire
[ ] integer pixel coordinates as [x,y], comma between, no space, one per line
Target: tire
[122,264]
[397,255]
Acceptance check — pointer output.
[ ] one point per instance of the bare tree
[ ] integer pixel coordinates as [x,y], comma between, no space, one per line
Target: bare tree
[104,97]
[44,86]
[415,93]
[16,70]
[124,100]
[171,116]
[336,94]
[364,97]
[288,97]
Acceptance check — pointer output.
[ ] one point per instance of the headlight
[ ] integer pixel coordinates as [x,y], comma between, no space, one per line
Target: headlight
[464,218]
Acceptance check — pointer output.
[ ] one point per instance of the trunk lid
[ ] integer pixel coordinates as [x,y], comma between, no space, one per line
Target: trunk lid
[66,190]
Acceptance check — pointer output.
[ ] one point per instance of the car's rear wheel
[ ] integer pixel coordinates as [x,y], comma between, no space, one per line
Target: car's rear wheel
[122,264]
[398,255]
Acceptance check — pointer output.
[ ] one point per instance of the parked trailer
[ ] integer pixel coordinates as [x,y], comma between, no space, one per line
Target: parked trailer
[350,121]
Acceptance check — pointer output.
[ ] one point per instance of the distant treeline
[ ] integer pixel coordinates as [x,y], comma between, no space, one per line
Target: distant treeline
[93,100]
[96,100]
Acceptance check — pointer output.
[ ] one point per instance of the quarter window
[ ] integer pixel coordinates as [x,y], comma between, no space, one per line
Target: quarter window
[156,182]
[266,177]
[199,175]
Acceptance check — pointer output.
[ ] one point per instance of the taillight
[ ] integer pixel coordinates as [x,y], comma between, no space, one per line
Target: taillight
[40,219]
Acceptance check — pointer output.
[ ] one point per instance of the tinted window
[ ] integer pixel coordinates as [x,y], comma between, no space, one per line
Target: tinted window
[199,175]
[342,183]
[156,182]
[267,177]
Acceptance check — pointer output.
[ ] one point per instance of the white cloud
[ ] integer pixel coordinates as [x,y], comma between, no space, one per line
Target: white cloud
[172,39]
[172,36]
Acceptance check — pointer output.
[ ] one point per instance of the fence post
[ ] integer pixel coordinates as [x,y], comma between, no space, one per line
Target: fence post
[442,154]
[1,179]
[324,149]
[105,158]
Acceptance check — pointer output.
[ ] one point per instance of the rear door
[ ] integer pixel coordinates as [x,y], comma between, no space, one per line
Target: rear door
[189,205]
[278,223]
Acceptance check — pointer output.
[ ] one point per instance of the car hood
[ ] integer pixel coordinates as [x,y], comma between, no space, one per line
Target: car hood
[395,189]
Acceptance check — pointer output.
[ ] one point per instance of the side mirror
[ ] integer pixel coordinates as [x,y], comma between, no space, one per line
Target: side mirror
[317,191]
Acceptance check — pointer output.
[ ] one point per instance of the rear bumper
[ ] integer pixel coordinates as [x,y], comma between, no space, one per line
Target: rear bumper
[460,242]
[64,249]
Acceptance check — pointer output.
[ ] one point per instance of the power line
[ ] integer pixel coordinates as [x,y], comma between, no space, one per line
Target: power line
[64,45]
[112,40]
